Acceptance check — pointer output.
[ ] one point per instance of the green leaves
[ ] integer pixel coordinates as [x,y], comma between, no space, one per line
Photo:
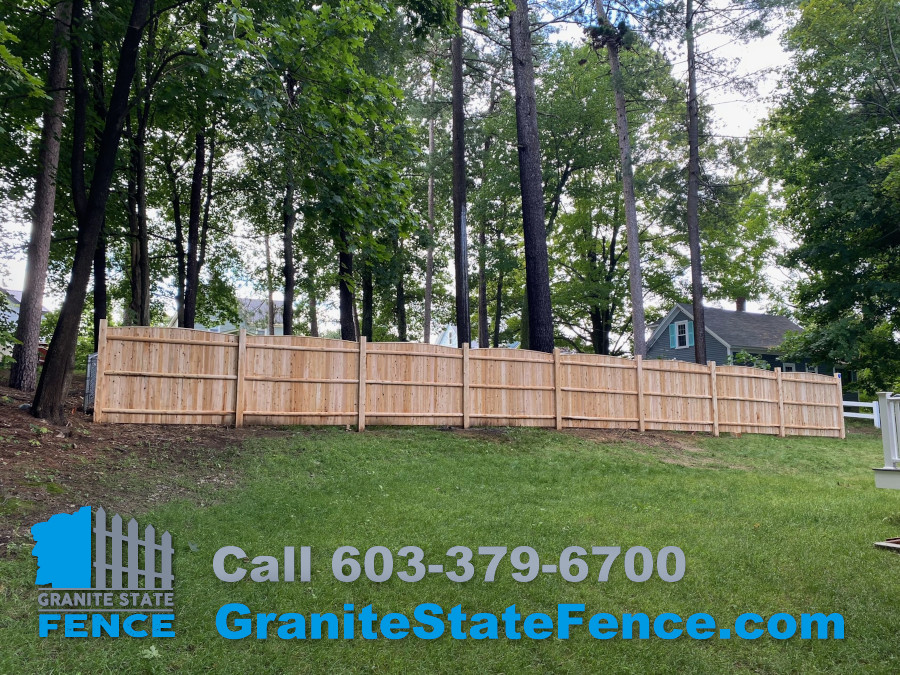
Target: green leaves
[836,155]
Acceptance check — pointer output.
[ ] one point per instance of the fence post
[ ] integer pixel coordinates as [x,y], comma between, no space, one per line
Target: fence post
[779,384]
[639,361]
[714,400]
[361,401]
[556,389]
[839,392]
[99,379]
[465,391]
[239,384]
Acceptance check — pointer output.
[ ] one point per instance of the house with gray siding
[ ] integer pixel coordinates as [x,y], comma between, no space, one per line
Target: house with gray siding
[727,333]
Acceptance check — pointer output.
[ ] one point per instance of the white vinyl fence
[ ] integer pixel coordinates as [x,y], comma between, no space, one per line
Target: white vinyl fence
[874,416]
[889,409]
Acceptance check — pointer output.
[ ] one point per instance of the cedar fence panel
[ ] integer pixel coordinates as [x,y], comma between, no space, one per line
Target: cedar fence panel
[179,376]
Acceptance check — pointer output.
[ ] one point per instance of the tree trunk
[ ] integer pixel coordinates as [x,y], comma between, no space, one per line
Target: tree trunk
[193,239]
[138,311]
[270,289]
[345,279]
[23,374]
[693,197]
[600,327]
[313,320]
[367,300]
[90,208]
[635,280]
[537,276]
[525,330]
[498,309]
[483,339]
[290,217]
[401,310]
[130,315]
[429,256]
[100,290]
[460,243]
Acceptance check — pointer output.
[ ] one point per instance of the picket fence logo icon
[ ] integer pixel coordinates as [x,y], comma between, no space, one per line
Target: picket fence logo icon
[103,579]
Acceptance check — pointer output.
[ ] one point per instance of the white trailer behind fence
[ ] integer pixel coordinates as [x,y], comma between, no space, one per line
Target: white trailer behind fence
[889,409]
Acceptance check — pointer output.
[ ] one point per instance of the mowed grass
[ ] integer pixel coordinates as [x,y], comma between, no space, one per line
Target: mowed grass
[767,525]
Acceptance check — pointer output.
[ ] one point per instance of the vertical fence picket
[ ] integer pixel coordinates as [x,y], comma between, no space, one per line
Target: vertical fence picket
[714,397]
[100,548]
[115,535]
[165,570]
[133,567]
[150,548]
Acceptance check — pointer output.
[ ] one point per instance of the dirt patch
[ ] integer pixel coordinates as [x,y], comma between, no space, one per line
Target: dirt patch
[128,468]
[665,447]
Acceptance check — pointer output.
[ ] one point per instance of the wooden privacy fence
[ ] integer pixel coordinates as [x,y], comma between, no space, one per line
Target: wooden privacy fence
[179,376]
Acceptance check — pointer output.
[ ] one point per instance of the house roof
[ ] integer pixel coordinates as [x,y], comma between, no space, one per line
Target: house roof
[256,310]
[744,329]
[17,297]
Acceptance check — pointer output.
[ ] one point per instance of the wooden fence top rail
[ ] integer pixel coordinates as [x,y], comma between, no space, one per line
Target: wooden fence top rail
[172,341]
[596,364]
[397,352]
[805,377]
[720,372]
[300,348]
[543,362]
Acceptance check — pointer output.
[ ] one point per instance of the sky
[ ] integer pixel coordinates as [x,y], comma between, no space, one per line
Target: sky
[735,115]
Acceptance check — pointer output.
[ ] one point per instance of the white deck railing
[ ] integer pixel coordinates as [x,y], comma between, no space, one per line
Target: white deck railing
[889,407]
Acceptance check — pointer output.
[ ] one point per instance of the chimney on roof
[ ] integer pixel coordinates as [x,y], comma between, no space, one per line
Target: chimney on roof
[741,304]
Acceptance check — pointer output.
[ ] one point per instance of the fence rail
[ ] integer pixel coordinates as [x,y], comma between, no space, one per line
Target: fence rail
[874,415]
[180,376]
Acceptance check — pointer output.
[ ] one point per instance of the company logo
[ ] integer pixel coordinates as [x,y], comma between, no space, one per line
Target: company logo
[103,579]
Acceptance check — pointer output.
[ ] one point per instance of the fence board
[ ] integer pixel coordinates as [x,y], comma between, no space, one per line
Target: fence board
[180,376]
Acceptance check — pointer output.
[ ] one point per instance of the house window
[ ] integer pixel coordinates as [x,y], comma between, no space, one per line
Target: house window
[812,369]
[788,367]
[681,334]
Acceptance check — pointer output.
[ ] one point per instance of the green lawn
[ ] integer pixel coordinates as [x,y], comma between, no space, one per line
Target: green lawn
[767,525]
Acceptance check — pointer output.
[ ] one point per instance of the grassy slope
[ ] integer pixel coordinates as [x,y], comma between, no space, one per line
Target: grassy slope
[767,525]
